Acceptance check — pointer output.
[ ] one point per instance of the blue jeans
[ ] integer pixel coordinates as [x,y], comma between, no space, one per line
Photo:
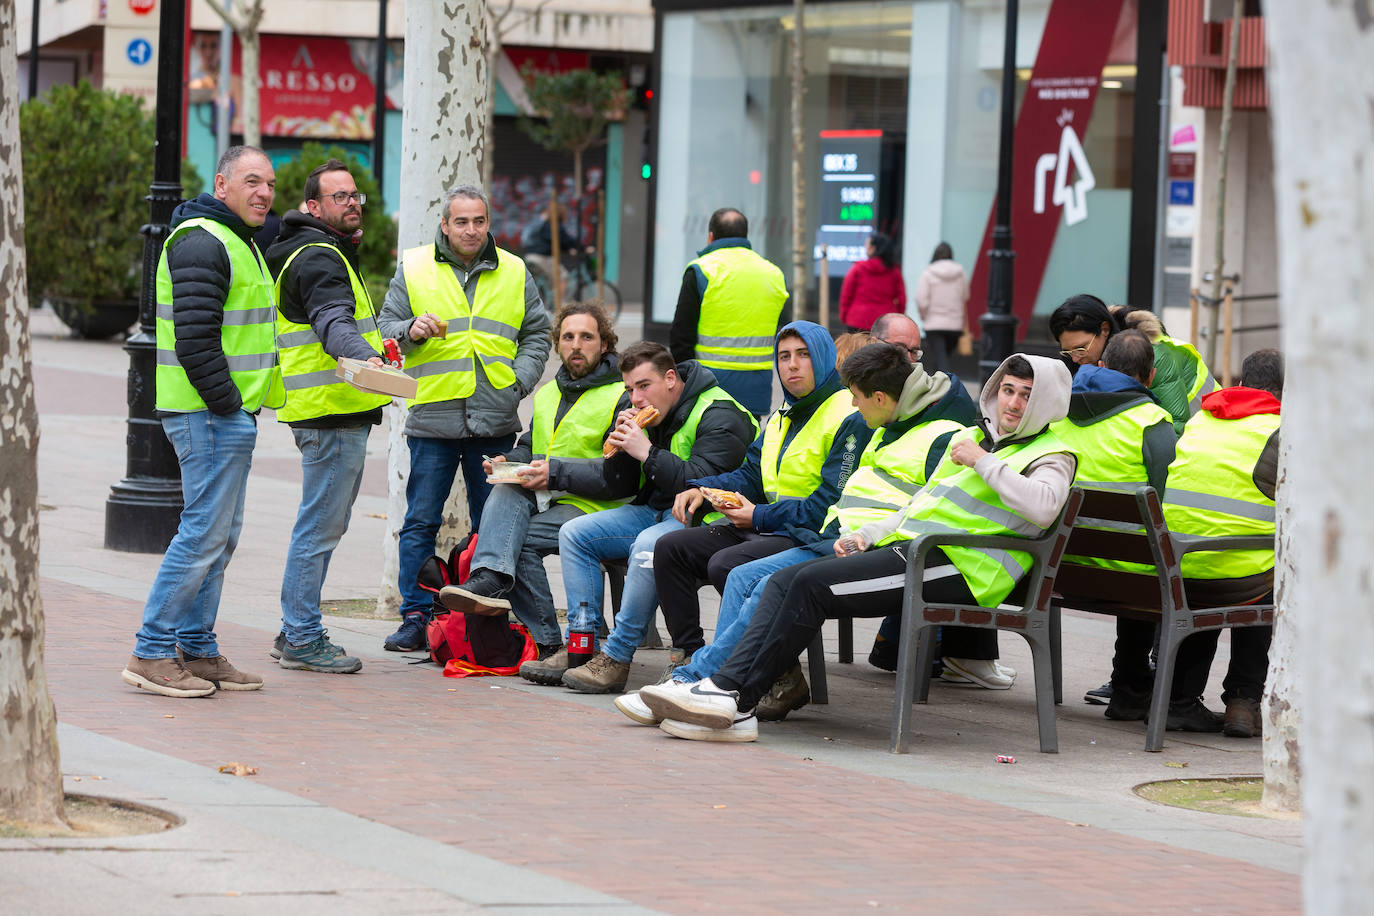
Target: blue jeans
[615,534]
[331,472]
[743,589]
[515,539]
[215,454]
[433,465]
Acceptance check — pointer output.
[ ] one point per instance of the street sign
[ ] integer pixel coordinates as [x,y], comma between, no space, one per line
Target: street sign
[139,52]
[850,164]
[1181,193]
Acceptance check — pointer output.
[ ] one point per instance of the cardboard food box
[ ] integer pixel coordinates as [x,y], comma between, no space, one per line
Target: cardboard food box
[367,377]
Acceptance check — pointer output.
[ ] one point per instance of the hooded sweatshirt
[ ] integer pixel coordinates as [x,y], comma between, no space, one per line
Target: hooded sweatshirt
[316,291]
[800,519]
[941,296]
[1038,493]
[200,272]
[1099,394]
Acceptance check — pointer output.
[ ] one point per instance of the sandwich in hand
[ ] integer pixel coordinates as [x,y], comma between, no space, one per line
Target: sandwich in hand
[722,499]
[642,419]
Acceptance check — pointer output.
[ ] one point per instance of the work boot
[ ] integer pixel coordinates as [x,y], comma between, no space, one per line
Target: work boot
[219,672]
[1242,719]
[788,693]
[602,674]
[167,676]
[482,593]
[1127,705]
[1192,716]
[319,655]
[410,636]
[548,669]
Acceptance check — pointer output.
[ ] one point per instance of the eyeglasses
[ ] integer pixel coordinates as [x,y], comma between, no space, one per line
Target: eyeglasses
[1075,354]
[343,197]
[913,352]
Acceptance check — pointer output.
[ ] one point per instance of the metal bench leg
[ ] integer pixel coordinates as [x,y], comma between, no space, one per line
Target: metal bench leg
[1164,683]
[815,663]
[1043,665]
[1056,633]
[925,660]
[903,690]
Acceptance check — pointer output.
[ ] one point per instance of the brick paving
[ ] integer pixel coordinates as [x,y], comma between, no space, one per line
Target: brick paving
[577,793]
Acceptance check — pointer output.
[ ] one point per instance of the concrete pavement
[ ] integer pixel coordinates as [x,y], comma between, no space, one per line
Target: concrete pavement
[397,789]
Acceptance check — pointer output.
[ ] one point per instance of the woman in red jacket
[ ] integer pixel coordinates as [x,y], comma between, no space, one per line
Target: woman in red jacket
[873,287]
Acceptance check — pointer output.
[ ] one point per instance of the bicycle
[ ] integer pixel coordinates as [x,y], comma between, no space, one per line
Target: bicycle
[580,283]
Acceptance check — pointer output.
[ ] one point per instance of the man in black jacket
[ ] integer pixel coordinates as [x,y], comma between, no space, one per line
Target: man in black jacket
[323,313]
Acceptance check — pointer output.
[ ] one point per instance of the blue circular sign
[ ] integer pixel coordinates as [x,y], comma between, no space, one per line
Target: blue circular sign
[139,52]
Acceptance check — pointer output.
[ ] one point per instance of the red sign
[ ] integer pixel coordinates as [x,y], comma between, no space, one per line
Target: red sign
[1051,173]
[314,87]
[142,7]
[1182,166]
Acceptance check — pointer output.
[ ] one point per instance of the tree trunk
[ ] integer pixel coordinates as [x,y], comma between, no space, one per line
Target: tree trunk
[249,56]
[1223,155]
[30,769]
[1324,205]
[441,147]
[800,259]
[1282,693]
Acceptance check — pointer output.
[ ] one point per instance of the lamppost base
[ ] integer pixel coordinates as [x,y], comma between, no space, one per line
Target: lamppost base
[142,514]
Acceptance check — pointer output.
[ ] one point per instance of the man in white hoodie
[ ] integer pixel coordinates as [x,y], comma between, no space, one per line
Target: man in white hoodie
[1011,481]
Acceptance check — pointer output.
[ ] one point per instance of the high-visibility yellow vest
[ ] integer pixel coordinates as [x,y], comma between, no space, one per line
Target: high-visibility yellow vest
[888,476]
[580,434]
[1212,492]
[686,436]
[795,472]
[313,388]
[484,331]
[958,500]
[248,335]
[744,296]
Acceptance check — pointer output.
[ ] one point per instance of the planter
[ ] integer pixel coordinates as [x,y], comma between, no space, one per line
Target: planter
[102,319]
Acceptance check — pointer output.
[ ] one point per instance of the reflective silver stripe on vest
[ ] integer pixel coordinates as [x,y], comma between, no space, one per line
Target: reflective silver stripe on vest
[735,342]
[760,359]
[439,367]
[864,502]
[497,358]
[300,338]
[1226,505]
[1002,558]
[240,317]
[311,380]
[367,325]
[773,497]
[499,328]
[893,480]
[249,363]
[1117,486]
[970,504]
[164,312]
[1209,385]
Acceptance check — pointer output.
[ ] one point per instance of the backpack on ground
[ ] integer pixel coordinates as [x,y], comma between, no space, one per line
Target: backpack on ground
[470,645]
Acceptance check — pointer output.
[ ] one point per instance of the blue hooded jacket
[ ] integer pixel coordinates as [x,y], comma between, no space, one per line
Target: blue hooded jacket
[800,519]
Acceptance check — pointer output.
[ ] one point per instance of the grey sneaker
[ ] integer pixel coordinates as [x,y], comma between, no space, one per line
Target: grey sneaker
[788,693]
[547,671]
[219,672]
[319,655]
[167,676]
[277,645]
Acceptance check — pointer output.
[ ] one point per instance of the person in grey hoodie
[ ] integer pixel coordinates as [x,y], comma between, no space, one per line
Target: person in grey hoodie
[1011,476]
[476,337]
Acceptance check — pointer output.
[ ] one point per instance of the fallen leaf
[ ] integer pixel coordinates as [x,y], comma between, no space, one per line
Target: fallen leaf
[1175,764]
[717,806]
[76,779]
[376,515]
[453,690]
[165,716]
[102,777]
[1075,824]
[234,768]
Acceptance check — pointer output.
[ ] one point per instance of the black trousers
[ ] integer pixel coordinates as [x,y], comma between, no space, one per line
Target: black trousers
[683,558]
[798,599]
[940,347]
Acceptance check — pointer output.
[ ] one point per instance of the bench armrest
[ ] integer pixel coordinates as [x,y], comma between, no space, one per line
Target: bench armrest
[1187,543]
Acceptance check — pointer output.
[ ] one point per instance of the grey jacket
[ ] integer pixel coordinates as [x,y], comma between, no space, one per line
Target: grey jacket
[488,411]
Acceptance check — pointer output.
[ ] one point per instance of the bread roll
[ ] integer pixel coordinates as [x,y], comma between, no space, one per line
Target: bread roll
[642,419]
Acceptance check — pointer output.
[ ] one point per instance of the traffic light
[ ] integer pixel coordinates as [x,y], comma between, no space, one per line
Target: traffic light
[646,168]
[646,171]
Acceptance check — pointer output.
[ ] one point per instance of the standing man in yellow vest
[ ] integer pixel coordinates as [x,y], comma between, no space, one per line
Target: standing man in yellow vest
[476,337]
[216,368]
[1013,481]
[323,313]
[566,479]
[728,311]
[1221,482]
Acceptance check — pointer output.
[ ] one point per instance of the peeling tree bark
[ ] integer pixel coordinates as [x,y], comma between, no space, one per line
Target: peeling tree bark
[1282,690]
[245,26]
[30,769]
[1322,103]
[441,146]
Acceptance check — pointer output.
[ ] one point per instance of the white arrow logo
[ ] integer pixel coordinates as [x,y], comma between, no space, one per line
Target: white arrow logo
[1074,199]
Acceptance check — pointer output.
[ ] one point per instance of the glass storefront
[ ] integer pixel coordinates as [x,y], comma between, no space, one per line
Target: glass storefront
[911,92]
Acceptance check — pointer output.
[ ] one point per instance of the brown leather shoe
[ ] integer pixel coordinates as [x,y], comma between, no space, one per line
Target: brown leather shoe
[1242,719]
[602,674]
[167,676]
[218,671]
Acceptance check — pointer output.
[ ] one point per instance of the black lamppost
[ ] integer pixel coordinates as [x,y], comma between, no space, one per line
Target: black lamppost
[33,52]
[998,323]
[143,510]
[379,103]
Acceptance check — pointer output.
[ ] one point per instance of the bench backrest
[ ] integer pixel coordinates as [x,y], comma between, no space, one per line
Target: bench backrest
[1123,527]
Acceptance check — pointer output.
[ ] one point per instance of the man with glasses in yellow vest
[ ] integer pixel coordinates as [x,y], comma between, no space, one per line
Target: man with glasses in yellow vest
[567,478]
[216,368]
[324,313]
[476,337]
[728,311]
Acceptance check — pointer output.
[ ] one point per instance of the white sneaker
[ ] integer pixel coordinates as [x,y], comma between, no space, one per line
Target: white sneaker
[744,728]
[983,672]
[949,676]
[701,703]
[635,710]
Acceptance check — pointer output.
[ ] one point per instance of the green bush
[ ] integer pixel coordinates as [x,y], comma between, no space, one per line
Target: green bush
[378,250]
[88,162]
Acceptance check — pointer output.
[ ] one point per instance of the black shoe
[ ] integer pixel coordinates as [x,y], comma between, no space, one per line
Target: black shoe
[883,655]
[1192,716]
[1127,705]
[410,636]
[482,593]
[546,652]
[1099,697]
